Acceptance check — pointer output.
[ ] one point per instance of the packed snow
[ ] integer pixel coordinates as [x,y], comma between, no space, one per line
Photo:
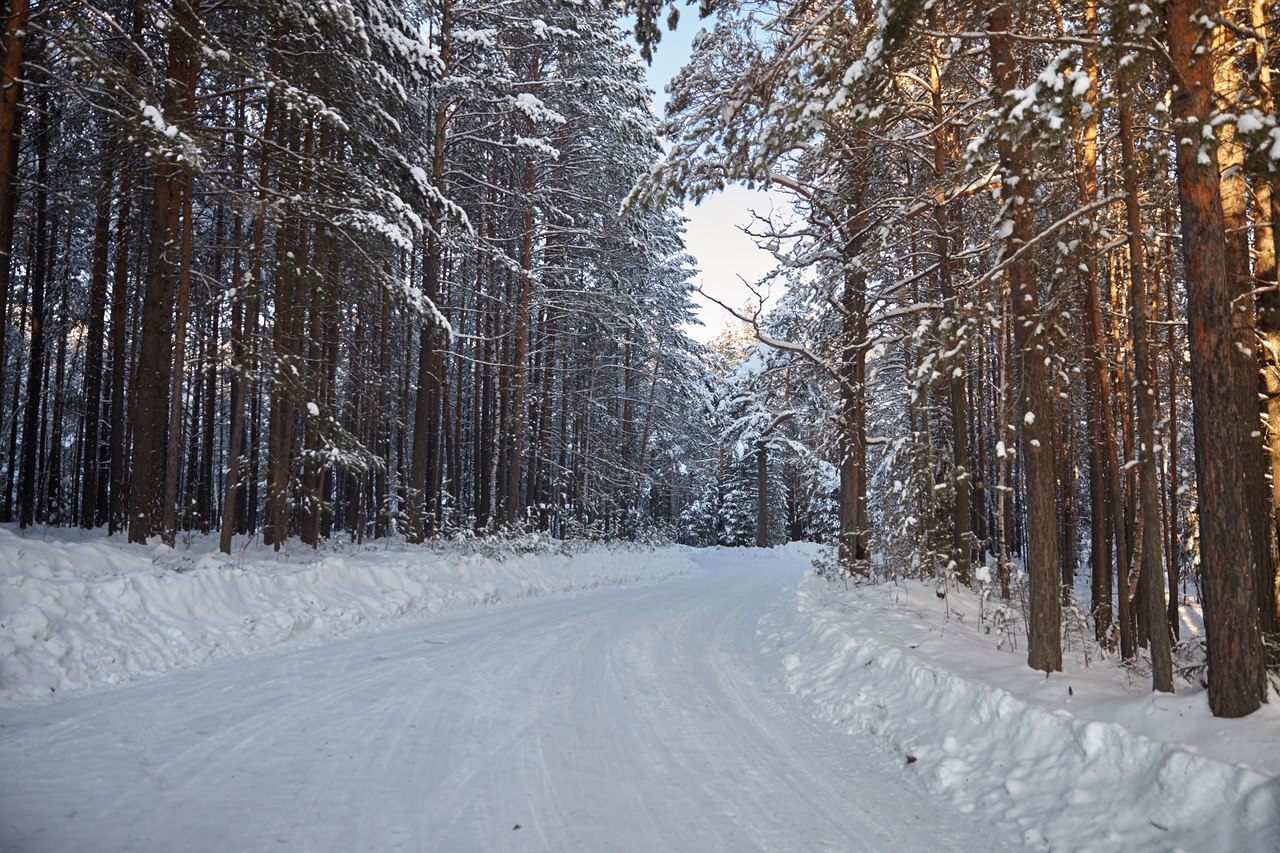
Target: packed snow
[548,697]
[1086,759]
[81,610]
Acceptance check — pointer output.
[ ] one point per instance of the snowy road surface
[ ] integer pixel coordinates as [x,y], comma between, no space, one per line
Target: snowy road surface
[639,719]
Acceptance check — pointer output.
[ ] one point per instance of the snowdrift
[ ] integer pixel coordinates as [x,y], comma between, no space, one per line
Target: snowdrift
[1087,759]
[80,610]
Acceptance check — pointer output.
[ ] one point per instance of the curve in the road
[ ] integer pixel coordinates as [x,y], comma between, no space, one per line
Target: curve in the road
[636,720]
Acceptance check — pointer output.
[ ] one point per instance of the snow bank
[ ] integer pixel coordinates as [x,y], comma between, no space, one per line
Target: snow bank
[1087,759]
[80,610]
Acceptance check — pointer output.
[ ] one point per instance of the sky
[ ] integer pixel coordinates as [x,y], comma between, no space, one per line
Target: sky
[724,254]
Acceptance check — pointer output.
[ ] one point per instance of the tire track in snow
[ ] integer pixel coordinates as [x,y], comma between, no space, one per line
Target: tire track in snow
[628,719]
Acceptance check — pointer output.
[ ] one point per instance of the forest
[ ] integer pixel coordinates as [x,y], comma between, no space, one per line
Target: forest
[414,268]
[306,269]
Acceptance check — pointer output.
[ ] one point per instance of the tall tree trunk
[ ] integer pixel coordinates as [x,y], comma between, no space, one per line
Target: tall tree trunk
[235,450]
[1045,637]
[155,364]
[328,512]
[94,342]
[1003,405]
[118,445]
[427,408]
[1231,86]
[151,380]
[12,467]
[538,411]
[1151,565]
[169,532]
[504,432]
[53,498]
[1266,223]
[252,315]
[35,364]
[312,472]
[1173,440]
[521,348]
[15,41]
[287,379]
[1106,492]
[1236,674]
[205,473]
[379,428]
[762,494]
[852,423]
[1064,421]
[647,430]
[242,310]
[961,545]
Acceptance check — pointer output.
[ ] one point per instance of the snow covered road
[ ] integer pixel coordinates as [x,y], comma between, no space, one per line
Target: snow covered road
[640,719]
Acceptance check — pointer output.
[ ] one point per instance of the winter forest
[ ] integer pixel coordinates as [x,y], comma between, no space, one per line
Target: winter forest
[414,269]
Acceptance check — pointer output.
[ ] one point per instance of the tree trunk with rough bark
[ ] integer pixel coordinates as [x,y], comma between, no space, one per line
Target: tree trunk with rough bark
[1151,559]
[1044,635]
[155,355]
[15,42]
[1236,674]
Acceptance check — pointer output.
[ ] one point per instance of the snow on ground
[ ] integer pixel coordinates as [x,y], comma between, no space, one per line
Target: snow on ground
[82,610]
[626,719]
[692,714]
[1087,759]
